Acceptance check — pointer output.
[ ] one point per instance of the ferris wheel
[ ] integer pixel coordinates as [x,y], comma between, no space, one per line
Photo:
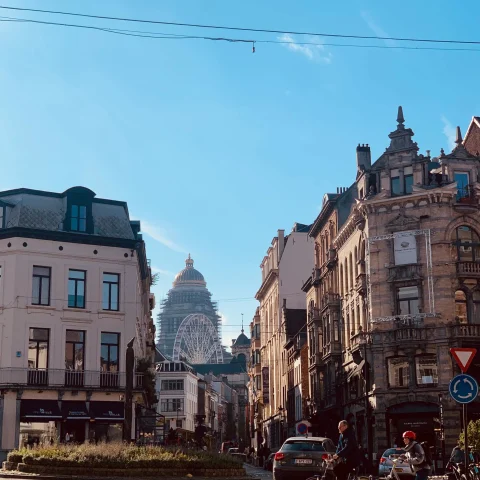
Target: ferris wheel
[197,341]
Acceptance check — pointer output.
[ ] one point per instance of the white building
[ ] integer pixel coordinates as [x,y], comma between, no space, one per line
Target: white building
[74,290]
[177,391]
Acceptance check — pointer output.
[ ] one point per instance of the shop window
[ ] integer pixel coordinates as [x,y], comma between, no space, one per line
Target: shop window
[467,243]
[426,370]
[398,372]
[407,301]
[461,306]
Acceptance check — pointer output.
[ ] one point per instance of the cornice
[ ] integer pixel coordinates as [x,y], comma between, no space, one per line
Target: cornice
[272,275]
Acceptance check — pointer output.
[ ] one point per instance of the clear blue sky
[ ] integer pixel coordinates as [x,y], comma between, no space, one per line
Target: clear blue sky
[215,148]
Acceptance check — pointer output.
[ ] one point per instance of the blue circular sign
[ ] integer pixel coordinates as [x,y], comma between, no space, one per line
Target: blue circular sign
[463,388]
[302,428]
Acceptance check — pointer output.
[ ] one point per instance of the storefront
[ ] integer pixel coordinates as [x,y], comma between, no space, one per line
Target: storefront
[39,422]
[75,421]
[106,421]
[420,417]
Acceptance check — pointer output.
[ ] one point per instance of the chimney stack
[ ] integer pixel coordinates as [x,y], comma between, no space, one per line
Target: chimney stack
[281,243]
[364,158]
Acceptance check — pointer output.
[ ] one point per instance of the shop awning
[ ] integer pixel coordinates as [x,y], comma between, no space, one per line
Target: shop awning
[39,410]
[74,410]
[111,411]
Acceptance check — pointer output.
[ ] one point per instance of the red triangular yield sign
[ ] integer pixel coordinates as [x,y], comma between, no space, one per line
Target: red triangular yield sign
[463,357]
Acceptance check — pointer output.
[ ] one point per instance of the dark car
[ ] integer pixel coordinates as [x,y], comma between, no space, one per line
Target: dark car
[268,465]
[300,458]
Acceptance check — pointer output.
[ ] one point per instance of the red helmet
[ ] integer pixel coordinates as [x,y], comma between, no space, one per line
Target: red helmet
[409,434]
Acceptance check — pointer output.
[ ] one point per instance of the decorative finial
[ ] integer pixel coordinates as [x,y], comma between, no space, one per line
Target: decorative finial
[242,322]
[458,139]
[400,118]
[189,262]
[442,152]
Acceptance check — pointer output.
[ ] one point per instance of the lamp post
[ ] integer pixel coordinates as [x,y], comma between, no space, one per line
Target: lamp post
[442,429]
[368,419]
[283,413]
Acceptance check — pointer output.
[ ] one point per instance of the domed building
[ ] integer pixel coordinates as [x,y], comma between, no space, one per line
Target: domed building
[189,297]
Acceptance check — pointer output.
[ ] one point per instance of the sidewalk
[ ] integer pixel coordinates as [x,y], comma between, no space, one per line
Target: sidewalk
[257,472]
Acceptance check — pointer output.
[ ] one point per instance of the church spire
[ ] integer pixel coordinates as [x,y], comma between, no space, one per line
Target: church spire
[458,139]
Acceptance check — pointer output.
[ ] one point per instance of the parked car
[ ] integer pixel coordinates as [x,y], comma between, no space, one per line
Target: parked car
[231,451]
[386,464]
[300,458]
[268,465]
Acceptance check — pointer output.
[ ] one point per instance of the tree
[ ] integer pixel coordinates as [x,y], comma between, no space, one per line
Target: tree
[473,430]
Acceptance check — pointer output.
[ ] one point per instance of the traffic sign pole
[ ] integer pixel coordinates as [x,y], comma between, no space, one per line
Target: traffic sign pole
[465,437]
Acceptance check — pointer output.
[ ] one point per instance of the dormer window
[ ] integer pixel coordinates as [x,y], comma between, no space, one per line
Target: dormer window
[78,218]
[2,216]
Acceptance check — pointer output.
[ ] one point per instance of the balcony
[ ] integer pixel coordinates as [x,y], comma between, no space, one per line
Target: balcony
[468,269]
[466,331]
[75,379]
[330,300]
[361,284]
[402,273]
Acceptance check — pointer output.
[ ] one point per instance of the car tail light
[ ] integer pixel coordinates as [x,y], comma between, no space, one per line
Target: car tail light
[383,460]
[279,456]
[325,456]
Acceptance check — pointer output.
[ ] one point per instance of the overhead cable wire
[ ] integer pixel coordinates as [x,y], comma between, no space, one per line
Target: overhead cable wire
[171,36]
[240,29]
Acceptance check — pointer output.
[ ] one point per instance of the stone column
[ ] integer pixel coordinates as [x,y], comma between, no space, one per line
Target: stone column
[401,175]
[17,419]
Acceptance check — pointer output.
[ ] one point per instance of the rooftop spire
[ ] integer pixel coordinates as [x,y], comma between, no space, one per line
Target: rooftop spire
[400,118]
[242,322]
[458,139]
[189,262]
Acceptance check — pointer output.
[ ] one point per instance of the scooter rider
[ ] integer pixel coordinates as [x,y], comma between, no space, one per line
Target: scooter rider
[415,456]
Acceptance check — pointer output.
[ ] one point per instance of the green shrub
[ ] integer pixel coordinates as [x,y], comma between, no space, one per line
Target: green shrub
[117,455]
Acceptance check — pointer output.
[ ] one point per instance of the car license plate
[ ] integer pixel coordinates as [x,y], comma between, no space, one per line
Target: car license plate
[303,461]
[399,469]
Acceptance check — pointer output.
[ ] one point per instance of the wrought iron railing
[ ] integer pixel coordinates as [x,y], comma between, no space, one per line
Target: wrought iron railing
[51,377]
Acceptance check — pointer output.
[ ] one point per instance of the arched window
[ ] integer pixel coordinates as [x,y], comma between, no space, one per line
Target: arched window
[341,280]
[346,277]
[351,271]
[476,306]
[356,262]
[467,242]
[461,306]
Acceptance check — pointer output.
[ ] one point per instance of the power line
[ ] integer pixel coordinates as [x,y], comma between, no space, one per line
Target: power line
[172,36]
[240,29]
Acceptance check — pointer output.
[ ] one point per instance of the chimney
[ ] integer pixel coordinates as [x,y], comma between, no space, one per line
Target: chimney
[281,243]
[364,159]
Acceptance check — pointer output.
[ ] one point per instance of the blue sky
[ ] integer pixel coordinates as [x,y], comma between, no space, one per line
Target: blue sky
[213,147]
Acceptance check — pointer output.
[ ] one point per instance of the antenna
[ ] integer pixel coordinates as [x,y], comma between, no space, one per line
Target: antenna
[242,322]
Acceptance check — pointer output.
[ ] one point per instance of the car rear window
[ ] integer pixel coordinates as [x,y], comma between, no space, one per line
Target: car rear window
[305,446]
[393,451]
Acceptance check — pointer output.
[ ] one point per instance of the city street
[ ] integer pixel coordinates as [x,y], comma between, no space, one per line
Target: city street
[257,472]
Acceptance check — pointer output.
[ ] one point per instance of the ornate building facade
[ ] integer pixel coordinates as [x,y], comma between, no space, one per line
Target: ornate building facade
[406,289]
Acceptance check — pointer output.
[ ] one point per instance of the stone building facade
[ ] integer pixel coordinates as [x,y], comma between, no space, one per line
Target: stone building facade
[406,279]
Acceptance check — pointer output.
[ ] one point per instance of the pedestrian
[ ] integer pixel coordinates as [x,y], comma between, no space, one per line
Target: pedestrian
[415,456]
[347,452]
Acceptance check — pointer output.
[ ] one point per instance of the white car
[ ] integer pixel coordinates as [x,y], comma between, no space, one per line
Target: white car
[386,463]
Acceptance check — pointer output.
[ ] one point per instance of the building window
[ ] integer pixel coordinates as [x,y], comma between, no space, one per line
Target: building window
[41,285]
[111,289]
[76,288]
[462,179]
[2,216]
[468,244]
[179,423]
[407,301]
[38,346]
[398,372]
[408,179]
[461,306]
[75,350]
[110,347]
[395,185]
[78,218]
[171,405]
[172,384]
[426,368]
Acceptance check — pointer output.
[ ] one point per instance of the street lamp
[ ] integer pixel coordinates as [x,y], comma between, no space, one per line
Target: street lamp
[368,421]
